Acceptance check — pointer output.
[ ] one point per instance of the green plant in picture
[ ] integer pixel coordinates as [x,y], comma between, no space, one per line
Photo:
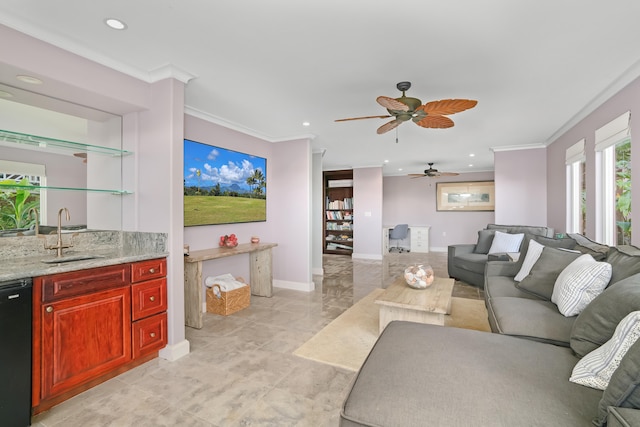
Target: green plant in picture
[623,191]
[15,205]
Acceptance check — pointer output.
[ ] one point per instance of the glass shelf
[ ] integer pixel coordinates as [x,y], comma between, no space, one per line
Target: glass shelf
[36,189]
[58,144]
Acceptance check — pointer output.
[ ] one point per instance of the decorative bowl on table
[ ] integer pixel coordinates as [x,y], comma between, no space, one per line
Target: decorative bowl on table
[228,241]
[418,276]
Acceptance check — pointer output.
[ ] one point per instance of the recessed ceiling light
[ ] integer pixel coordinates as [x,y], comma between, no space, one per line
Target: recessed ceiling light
[116,24]
[470,166]
[4,94]
[400,169]
[386,161]
[472,155]
[306,124]
[29,79]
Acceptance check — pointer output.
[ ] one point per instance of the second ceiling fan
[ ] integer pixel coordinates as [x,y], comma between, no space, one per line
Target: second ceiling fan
[431,172]
[430,115]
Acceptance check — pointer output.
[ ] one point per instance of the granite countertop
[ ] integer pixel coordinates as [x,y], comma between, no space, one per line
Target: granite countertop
[24,258]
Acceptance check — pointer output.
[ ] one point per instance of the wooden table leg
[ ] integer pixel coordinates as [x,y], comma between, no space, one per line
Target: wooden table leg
[261,276]
[193,295]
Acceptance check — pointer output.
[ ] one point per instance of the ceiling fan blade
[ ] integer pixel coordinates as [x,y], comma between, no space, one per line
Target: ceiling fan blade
[361,118]
[416,175]
[392,104]
[447,106]
[449,174]
[437,122]
[388,126]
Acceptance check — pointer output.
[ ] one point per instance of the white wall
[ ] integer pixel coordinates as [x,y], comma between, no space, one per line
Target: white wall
[367,213]
[521,187]
[317,214]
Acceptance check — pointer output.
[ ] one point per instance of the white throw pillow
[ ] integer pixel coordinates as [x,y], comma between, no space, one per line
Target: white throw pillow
[579,284]
[533,253]
[595,369]
[506,242]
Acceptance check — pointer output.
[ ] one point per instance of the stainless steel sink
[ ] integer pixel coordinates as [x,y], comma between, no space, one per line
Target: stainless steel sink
[70,258]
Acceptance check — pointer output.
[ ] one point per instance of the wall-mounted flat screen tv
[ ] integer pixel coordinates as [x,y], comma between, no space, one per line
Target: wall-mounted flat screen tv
[223,186]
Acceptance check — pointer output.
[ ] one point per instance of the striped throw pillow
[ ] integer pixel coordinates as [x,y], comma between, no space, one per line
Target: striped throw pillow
[580,283]
[596,368]
[506,242]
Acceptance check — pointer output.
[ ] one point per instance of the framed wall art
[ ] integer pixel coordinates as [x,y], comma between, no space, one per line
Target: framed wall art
[465,196]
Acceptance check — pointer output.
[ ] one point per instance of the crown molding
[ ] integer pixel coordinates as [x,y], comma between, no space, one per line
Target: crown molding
[168,71]
[517,147]
[240,128]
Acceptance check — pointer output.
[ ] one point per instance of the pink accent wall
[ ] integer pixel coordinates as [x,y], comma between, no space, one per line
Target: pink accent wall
[413,201]
[628,99]
[521,187]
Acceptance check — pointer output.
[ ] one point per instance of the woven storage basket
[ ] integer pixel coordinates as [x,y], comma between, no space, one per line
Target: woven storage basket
[229,302]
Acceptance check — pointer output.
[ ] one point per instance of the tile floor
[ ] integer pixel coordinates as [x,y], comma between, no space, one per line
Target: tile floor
[240,371]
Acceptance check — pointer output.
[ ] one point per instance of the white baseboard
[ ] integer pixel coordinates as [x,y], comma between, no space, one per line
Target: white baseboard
[437,249]
[296,286]
[175,351]
[366,256]
[317,271]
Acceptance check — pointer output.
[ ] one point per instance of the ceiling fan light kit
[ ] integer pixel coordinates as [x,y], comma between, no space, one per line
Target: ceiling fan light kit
[405,108]
[432,173]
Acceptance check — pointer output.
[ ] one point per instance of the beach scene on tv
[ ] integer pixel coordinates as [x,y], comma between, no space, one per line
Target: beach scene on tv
[223,186]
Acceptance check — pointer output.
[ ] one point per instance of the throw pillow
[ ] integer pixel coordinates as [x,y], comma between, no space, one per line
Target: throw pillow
[624,387]
[485,238]
[545,271]
[579,284]
[596,368]
[625,262]
[506,242]
[595,325]
[587,246]
[534,250]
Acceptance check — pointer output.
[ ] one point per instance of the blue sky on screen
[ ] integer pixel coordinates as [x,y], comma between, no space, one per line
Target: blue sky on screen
[218,165]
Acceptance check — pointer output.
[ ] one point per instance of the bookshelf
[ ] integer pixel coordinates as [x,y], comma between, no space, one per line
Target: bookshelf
[338,212]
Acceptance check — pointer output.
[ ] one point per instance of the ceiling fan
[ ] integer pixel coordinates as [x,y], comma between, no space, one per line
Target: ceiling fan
[430,115]
[431,172]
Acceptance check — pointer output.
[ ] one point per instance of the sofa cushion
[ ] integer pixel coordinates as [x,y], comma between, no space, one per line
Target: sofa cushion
[485,239]
[623,417]
[595,369]
[597,322]
[625,261]
[471,262]
[587,246]
[624,387]
[545,271]
[506,242]
[534,319]
[579,284]
[418,375]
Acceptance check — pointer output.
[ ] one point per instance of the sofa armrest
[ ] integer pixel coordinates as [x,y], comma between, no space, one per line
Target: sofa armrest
[465,248]
[623,417]
[501,268]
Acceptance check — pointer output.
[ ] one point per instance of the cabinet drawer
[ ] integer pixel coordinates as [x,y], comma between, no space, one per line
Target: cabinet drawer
[145,270]
[64,285]
[148,298]
[149,334]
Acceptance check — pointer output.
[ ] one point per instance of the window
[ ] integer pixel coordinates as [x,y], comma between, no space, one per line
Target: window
[576,190]
[15,203]
[613,174]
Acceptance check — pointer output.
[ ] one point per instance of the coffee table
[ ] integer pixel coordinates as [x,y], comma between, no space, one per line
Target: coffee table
[400,302]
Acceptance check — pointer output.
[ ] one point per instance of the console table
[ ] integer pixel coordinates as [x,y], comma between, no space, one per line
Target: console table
[260,275]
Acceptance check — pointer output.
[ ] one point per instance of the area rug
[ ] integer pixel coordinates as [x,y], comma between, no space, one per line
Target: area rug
[347,340]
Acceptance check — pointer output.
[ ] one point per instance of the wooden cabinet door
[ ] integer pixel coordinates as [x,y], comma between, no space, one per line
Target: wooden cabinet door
[83,338]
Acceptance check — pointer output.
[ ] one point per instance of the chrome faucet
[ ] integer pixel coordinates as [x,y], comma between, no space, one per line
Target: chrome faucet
[34,211]
[59,244]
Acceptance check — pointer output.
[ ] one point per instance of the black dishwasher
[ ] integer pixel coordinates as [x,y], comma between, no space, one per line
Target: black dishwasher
[15,352]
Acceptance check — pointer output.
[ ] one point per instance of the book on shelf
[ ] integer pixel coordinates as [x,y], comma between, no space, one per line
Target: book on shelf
[337,246]
[346,203]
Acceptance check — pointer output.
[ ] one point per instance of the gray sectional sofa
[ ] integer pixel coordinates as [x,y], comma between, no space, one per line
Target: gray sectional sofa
[466,262]
[418,374]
